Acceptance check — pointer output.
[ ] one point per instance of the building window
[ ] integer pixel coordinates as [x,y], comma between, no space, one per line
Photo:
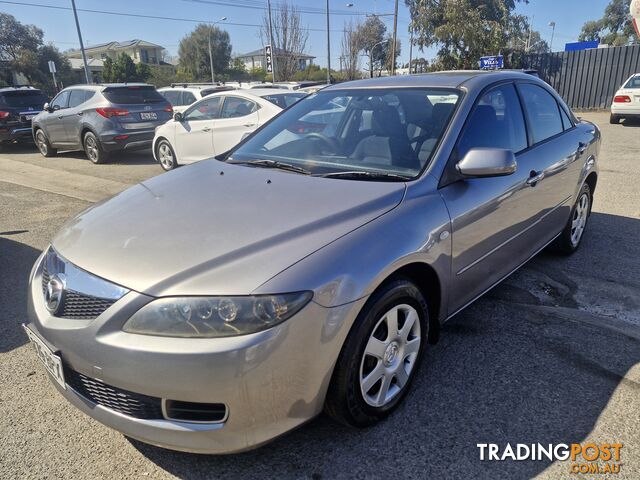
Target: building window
[144,56]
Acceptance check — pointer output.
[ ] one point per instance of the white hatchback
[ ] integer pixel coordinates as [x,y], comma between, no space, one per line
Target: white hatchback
[626,102]
[217,123]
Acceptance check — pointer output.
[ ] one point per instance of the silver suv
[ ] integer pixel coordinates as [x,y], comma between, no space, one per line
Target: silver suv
[100,119]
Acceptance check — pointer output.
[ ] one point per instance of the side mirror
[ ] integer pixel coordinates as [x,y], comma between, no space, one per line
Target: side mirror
[47,107]
[178,116]
[487,162]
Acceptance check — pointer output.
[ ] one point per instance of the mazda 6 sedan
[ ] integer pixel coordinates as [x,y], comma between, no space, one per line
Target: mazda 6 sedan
[215,307]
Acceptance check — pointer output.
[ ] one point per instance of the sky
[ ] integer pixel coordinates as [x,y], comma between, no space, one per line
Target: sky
[182,16]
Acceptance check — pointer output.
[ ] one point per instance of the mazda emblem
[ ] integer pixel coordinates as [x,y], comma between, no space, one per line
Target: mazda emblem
[54,293]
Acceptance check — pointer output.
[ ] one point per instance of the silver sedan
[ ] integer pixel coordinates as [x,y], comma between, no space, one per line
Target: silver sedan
[215,307]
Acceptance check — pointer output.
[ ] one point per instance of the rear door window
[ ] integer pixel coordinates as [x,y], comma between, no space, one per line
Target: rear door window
[543,114]
[495,122]
[132,95]
[77,97]
[17,99]
[633,82]
[237,107]
[188,98]
[566,122]
[172,97]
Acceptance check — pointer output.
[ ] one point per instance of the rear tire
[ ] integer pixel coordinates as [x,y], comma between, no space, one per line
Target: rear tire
[93,149]
[380,356]
[166,155]
[42,142]
[571,237]
[614,119]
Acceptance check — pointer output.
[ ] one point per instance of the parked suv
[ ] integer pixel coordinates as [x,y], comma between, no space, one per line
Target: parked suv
[18,106]
[183,95]
[100,119]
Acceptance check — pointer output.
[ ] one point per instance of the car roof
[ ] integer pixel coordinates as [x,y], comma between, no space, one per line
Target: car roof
[19,88]
[261,92]
[446,79]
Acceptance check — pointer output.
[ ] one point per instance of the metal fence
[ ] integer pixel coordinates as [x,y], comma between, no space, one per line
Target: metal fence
[587,79]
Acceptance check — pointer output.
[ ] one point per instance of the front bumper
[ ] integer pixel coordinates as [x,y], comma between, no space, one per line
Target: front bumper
[271,381]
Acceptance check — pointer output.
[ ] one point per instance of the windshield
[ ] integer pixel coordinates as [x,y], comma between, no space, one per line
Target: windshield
[634,82]
[284,100]
[23,99]
[381,131]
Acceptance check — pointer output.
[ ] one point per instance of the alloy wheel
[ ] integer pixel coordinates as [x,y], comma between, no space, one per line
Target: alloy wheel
[165,155]
[579,220]
[91,146]
[41,141]
[390,355]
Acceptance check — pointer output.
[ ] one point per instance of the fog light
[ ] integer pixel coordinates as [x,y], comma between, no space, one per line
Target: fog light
[121,137]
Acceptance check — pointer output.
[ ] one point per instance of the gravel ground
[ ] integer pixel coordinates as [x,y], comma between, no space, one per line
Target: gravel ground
[552,355]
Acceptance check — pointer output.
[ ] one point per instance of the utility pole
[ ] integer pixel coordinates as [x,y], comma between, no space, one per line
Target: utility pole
[213,78]
[553,31]
[395,39]
[274,52]
[328,48]
[410,49]
[529,36]
[87,75]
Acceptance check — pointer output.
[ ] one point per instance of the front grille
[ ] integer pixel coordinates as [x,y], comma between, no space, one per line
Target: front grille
[123,401]
[77,305]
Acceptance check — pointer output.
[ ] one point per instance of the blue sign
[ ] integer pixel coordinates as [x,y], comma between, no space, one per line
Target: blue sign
[491,63]
[575,46]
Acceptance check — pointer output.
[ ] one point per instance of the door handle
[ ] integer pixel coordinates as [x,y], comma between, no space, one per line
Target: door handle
[249,125]
[60,117]
[80,113]
[534,178]
[582,147]
[206,129]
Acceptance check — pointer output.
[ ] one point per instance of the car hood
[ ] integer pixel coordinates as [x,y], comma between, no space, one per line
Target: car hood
[214,228]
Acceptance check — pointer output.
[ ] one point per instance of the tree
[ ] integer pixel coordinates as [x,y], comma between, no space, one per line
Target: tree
[122,69]
[289,39]
[194,51]
[614,28]
[15,36]
[388,48]
[370,37]
[350,53]
[465,30]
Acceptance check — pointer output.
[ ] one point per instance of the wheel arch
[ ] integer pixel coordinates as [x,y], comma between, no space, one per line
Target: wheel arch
[83,131]
[592,180]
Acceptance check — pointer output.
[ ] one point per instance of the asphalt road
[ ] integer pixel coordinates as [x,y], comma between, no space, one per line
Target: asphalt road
[552,355]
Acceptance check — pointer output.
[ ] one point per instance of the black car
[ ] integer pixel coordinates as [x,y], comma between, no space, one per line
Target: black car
[18,105]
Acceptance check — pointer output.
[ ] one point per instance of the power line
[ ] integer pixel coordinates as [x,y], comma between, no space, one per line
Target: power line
[258,5]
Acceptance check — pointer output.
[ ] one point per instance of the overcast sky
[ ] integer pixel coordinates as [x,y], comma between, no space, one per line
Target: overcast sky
[244,16]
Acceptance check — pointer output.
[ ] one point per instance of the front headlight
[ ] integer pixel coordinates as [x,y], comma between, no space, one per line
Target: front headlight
[209,317]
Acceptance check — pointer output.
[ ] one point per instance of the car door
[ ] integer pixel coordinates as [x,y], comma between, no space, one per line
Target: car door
[239,117]
[53,122]
[556,145]
[72,115]
[194,134]
[492,219]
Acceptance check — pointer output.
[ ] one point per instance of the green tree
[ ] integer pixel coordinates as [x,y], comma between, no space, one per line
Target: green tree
[143,72]
[614,28]
[465,30]
[194,51]
[122,69]
[15,37]
[370,38]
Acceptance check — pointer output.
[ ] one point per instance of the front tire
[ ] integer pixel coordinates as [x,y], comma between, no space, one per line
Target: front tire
[380,356]
[42,142]
[166,156]
[93,149]
[571,237]
[614,119]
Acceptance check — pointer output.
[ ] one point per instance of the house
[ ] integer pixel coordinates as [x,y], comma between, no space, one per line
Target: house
[96,66]
[256,59]
[140,51]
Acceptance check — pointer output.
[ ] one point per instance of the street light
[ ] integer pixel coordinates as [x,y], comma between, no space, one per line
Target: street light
[553,31]
[371,54]
[213,80]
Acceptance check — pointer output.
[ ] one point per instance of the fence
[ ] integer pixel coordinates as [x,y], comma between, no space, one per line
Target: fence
[587,78]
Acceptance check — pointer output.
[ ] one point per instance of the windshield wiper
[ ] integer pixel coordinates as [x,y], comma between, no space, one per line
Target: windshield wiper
[365,174]
[274,164]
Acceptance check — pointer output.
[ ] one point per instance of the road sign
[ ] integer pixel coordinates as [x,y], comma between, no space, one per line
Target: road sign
[52,66]
[269,59]
[492,62]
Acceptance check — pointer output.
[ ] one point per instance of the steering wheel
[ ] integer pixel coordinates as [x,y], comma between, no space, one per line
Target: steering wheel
[331,143]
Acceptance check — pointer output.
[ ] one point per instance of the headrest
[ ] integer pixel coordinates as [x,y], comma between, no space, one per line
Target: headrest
[385,122]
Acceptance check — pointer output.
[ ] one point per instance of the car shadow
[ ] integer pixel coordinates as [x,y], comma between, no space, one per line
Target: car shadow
[515,367]
[16,260]
[131,157]
[631,122]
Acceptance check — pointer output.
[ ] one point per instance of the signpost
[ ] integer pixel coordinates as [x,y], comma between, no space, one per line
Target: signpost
[493,62]
[52,70]
[269,59]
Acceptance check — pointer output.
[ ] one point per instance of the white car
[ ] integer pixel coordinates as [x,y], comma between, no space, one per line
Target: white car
[181,96]
[217,123]
[626,102]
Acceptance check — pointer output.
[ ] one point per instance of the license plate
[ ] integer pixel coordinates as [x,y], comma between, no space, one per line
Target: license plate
[29,117]
[51,361]
[148,115]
